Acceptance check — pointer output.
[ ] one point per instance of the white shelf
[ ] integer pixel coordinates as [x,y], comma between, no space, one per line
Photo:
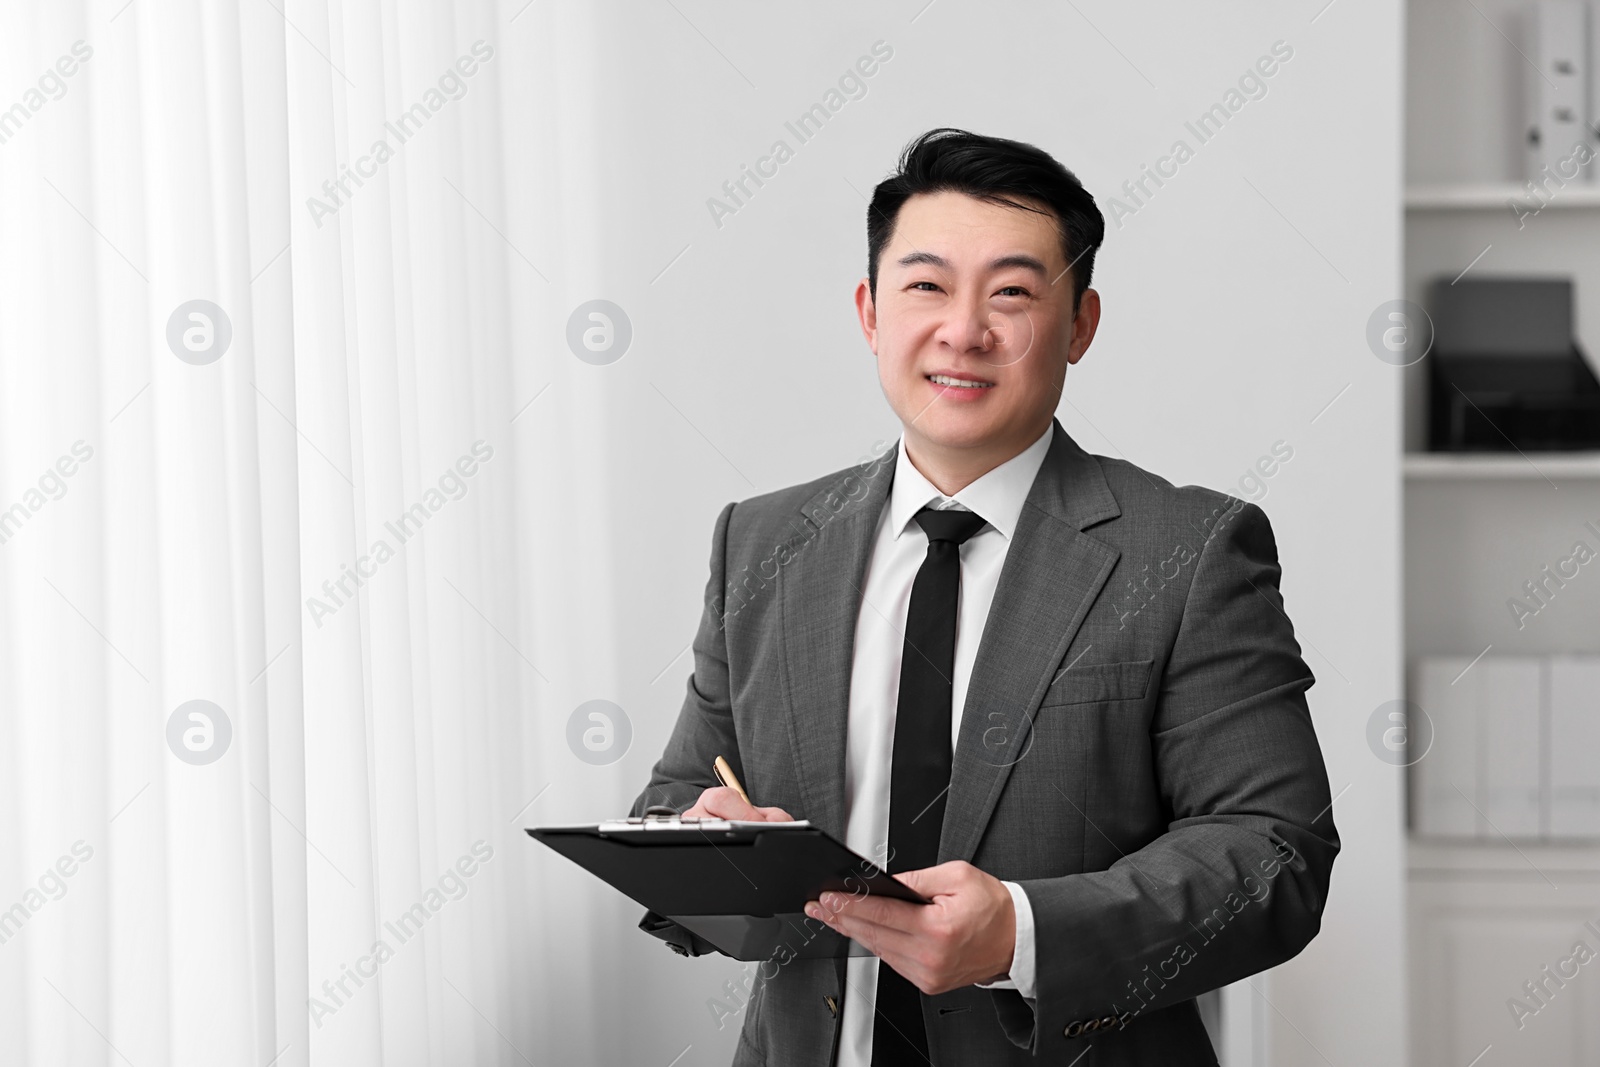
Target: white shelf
[1429,857]
[1531,466]
[1493,196]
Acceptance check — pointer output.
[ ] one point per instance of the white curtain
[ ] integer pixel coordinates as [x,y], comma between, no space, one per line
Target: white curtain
[316,530]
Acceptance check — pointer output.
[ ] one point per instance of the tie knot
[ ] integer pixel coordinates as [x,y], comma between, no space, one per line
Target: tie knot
[953,525]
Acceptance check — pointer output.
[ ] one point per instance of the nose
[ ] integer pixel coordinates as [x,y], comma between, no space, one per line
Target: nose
[969,326]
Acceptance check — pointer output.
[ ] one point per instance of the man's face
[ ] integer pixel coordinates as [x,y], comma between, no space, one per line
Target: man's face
[977,292]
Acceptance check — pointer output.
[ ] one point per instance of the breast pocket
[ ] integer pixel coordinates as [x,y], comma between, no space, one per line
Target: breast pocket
[1097,682]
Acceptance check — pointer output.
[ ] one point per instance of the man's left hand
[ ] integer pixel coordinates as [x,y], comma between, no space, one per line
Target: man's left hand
[965,936]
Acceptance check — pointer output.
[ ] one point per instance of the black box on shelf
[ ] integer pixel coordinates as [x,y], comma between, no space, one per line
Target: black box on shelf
[1506,371]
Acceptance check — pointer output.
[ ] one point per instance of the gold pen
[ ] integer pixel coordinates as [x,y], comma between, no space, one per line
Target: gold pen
[725,775]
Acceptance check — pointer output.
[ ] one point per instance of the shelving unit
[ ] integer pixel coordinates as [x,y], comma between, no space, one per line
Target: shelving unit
[1486,917]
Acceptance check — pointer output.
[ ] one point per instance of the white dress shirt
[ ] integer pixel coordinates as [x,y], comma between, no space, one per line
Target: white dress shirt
[898,551]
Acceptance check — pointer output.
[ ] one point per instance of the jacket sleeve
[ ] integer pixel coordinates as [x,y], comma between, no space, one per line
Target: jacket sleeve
[704,730]
[1237,882]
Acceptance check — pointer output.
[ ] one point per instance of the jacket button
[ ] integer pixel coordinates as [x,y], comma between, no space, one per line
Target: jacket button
[1073,1029]
[1108,1022]
[1091,1025]
[1124,1020]
[833,1005]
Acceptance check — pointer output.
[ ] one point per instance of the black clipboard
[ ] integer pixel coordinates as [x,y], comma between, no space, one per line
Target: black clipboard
[739,886]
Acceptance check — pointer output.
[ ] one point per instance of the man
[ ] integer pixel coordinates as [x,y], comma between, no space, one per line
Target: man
[1057,693]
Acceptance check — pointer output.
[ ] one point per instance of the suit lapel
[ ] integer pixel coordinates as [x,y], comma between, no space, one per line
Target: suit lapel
[820,590]
[1052,574]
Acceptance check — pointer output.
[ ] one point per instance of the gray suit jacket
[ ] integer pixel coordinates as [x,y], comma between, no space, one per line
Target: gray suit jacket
[1135,751]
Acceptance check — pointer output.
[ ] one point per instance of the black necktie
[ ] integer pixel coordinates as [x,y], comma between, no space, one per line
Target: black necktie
[920,772]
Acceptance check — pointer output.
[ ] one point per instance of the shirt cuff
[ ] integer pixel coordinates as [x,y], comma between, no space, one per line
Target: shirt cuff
[1022,976]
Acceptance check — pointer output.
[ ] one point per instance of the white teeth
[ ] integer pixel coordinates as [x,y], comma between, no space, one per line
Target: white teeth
[944,379]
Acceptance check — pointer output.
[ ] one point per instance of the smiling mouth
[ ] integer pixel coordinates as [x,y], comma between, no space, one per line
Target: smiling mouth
[959,383]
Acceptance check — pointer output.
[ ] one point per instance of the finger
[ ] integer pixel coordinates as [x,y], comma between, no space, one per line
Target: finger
[723,803]
[936,881]
[880,911]
[895,947]
[775,815]
[698,810]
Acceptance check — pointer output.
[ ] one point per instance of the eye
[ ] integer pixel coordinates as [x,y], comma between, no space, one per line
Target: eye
[932,288]
[1013,290]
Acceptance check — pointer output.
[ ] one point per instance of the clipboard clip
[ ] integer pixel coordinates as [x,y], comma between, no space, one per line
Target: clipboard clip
[654,815]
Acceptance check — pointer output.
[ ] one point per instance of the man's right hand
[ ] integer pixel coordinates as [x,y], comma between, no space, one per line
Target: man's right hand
[721,802]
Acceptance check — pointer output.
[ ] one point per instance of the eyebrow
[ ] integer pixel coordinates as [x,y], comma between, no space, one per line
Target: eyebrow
[1016,259]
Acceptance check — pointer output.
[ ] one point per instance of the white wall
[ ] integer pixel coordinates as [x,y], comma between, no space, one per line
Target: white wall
[1236,302]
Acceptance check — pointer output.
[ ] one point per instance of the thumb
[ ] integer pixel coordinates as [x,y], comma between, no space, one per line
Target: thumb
[929,880]
[920,880]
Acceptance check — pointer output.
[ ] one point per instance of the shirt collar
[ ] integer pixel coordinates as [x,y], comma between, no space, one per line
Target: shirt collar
[998,495]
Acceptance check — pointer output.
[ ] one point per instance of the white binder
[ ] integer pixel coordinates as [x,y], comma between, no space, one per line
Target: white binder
[1575,746]
[1511,720]
[1558,90]
[1484,777]
[1444,782]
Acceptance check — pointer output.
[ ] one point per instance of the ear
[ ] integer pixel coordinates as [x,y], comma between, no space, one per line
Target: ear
[1084,325]
[867,311]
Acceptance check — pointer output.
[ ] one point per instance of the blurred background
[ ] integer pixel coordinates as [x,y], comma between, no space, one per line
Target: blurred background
[372,373]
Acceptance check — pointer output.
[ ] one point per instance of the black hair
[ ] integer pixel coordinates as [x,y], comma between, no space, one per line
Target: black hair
[996,170]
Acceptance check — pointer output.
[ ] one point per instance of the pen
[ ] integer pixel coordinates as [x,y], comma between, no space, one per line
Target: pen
[725,775]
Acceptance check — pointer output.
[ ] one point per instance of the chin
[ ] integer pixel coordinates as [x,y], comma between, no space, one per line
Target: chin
[956,429]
